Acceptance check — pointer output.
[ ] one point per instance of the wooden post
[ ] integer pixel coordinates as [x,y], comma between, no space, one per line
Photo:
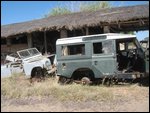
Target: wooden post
[63,33]
[74,32]
[83,31]
[8,41]
[106,29]
[87,31]
[29,39]
[45,42]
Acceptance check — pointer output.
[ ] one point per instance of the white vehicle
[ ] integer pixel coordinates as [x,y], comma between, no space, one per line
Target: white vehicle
[29,61]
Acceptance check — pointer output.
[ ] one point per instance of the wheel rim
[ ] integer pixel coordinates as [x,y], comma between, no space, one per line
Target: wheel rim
[85,81]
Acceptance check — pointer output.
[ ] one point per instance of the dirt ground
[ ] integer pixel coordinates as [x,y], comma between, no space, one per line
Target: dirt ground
[137,101]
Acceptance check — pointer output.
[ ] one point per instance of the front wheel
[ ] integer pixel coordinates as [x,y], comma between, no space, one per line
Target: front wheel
[37,74]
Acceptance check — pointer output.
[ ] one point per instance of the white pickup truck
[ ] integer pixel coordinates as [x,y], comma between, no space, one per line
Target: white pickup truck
[28,61]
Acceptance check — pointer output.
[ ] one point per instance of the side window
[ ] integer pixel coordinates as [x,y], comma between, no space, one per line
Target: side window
[121,46]
[73,50]
[107,47]
[103,47]
[97,48]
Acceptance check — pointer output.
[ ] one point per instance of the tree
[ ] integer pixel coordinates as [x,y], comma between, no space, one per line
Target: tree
[74,6]
[94,6]
[58,11]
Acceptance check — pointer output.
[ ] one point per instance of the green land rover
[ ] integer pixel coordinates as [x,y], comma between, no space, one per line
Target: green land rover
[100,57]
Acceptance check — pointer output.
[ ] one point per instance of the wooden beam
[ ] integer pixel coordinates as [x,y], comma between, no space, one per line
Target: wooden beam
[87,31]
[45,42]
[74,32]
[125,22]
[119,26]
[142,21]
[106,29]
[29,39]
[83,31]
[63,33]
[8,41]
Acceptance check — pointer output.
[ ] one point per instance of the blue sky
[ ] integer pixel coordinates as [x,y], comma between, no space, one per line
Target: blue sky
[21,11]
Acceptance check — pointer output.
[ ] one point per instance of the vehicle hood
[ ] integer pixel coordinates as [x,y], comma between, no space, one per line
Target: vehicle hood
[34,58]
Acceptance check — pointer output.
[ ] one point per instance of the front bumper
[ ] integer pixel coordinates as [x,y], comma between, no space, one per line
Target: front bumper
[52,70]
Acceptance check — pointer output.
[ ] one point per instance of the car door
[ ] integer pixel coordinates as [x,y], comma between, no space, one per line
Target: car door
[16,67]
[103,58]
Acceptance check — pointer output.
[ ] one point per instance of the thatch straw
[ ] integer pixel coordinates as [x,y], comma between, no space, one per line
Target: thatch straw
[78,20]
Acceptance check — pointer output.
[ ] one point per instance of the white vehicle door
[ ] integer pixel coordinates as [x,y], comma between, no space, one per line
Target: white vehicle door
[16,67]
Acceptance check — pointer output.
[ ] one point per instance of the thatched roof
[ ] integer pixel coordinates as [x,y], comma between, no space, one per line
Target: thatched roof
[78,20]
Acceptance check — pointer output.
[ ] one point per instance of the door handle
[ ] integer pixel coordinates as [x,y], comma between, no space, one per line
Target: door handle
[95,62]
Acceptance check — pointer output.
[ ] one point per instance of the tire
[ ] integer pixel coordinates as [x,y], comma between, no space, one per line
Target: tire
[37,74]
[85,81]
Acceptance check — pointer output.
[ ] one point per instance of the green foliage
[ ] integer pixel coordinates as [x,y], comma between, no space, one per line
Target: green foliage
[58,11]
[94,6]
[81,6]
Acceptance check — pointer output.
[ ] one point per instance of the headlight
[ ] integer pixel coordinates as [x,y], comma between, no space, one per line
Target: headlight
[47,64]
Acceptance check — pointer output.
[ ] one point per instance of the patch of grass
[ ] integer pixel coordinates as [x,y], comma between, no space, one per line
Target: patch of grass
[19,87]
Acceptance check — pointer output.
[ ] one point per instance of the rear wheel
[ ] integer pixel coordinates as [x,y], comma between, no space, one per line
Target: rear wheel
[85,81]
[84,75]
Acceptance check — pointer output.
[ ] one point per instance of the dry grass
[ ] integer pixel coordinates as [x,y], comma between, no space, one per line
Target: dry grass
[18,86]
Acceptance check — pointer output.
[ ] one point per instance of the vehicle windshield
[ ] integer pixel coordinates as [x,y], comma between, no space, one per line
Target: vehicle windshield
[28,53]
